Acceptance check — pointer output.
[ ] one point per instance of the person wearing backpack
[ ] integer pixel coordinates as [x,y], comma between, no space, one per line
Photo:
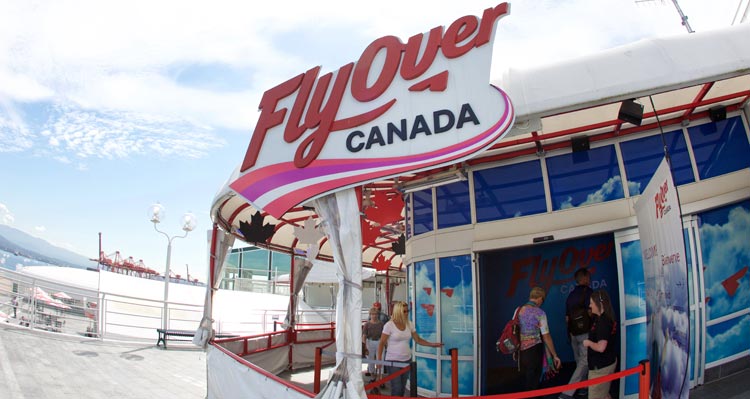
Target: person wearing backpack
[578,320]
[536,340]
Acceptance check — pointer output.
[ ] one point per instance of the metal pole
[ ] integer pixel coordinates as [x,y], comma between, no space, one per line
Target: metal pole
[166,284]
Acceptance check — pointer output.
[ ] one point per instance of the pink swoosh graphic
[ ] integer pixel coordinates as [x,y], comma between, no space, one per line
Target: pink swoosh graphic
[259,182]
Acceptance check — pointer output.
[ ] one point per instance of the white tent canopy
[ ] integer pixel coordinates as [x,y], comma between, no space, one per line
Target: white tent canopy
[325,273]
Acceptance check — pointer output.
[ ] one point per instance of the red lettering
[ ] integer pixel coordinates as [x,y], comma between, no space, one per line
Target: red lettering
[488,23]
[269,117]
[410,68]
[293,129]
[568,268]
[393,48]
[455,42]
[322,115]
[459,32]
[519,273]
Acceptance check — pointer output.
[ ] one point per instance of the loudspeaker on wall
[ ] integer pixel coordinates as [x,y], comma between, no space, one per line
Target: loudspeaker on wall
[631,111]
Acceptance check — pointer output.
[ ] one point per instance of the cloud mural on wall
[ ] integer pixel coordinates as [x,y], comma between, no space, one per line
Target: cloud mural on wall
[727,339]
[726,250]
[611,189]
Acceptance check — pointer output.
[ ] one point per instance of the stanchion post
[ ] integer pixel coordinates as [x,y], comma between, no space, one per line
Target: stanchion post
[454,372]
[644,380]
[318,361]
[413,380]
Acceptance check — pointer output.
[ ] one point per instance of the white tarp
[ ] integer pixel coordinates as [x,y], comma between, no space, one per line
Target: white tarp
[220,244]
[341,222]
[228,378]
[325,273]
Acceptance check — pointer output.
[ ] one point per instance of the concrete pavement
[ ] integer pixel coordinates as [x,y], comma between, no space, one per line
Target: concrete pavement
[39,364]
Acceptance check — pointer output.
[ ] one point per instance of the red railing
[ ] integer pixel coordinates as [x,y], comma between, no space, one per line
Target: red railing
[643,369]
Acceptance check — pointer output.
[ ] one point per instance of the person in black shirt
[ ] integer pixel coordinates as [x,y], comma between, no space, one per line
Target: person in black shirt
[601,343]
[578,298]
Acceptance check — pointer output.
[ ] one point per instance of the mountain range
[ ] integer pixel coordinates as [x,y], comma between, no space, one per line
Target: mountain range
[18,243]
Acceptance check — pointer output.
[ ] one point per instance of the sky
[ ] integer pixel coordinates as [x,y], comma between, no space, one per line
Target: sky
[109,107]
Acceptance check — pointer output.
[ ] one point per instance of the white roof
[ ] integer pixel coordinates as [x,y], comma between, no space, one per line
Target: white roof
[684,75]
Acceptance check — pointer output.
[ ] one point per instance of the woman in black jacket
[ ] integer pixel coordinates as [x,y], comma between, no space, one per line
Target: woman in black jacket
[601,343]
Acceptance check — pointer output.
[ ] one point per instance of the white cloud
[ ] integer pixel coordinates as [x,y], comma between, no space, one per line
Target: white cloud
[116,134]
[6,217]
[40,229]
[14,134]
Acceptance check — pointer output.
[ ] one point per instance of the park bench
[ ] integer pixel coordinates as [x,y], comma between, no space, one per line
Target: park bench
[181,335]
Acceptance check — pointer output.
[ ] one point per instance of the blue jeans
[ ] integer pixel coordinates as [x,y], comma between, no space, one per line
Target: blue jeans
[398,384]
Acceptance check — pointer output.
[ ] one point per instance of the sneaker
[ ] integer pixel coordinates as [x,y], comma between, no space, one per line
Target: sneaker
[564,396]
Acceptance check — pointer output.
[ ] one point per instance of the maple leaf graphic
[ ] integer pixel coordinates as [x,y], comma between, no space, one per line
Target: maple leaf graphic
[732,282]
[385,210]
[308,233]
[381,264]
[256,231]
[429,308]
[399,247]
[370,233]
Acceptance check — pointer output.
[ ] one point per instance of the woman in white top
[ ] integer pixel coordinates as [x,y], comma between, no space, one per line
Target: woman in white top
[396,335]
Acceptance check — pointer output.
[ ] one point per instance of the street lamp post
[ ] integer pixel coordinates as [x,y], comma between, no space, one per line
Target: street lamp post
[156,213]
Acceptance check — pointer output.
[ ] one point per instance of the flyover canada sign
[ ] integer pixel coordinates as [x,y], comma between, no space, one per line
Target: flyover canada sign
[400,108]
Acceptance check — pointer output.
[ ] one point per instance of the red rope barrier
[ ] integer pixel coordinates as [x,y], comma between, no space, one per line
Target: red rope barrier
[381,381]
[545,391]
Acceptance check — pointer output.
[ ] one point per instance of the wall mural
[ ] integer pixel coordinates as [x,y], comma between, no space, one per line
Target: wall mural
[725,249]
[507,276]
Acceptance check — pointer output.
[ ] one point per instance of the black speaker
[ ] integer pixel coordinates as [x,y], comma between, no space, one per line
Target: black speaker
[717,113]
[580,143]
[631,111]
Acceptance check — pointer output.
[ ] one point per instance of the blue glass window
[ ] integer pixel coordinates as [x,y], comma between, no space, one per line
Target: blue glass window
[720,147]
[453,207]
[281,263]
[424,309]
[457,304]
[422,211]
[509,191]
[584,178]
[642,157]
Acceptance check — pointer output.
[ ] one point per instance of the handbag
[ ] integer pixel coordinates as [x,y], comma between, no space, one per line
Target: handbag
[510,339]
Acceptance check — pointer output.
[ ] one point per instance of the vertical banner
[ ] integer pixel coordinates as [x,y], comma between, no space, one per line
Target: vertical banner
[665,274]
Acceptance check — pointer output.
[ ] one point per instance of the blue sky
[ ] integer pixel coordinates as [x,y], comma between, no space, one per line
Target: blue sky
[108,107]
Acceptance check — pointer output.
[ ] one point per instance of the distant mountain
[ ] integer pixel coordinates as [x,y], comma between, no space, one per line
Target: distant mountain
[19,243]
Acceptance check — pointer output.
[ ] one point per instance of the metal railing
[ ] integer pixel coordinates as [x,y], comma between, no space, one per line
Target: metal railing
[39,303]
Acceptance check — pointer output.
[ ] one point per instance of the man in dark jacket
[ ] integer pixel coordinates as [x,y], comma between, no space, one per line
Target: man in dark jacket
[578,319]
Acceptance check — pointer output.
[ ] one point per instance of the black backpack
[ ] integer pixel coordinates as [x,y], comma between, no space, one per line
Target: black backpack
[579,320]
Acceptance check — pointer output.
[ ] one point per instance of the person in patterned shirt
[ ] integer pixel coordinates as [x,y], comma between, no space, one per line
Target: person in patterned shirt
[534,336]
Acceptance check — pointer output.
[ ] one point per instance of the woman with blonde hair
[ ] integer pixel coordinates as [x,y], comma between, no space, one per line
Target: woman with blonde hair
[601,350]
[397,334]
